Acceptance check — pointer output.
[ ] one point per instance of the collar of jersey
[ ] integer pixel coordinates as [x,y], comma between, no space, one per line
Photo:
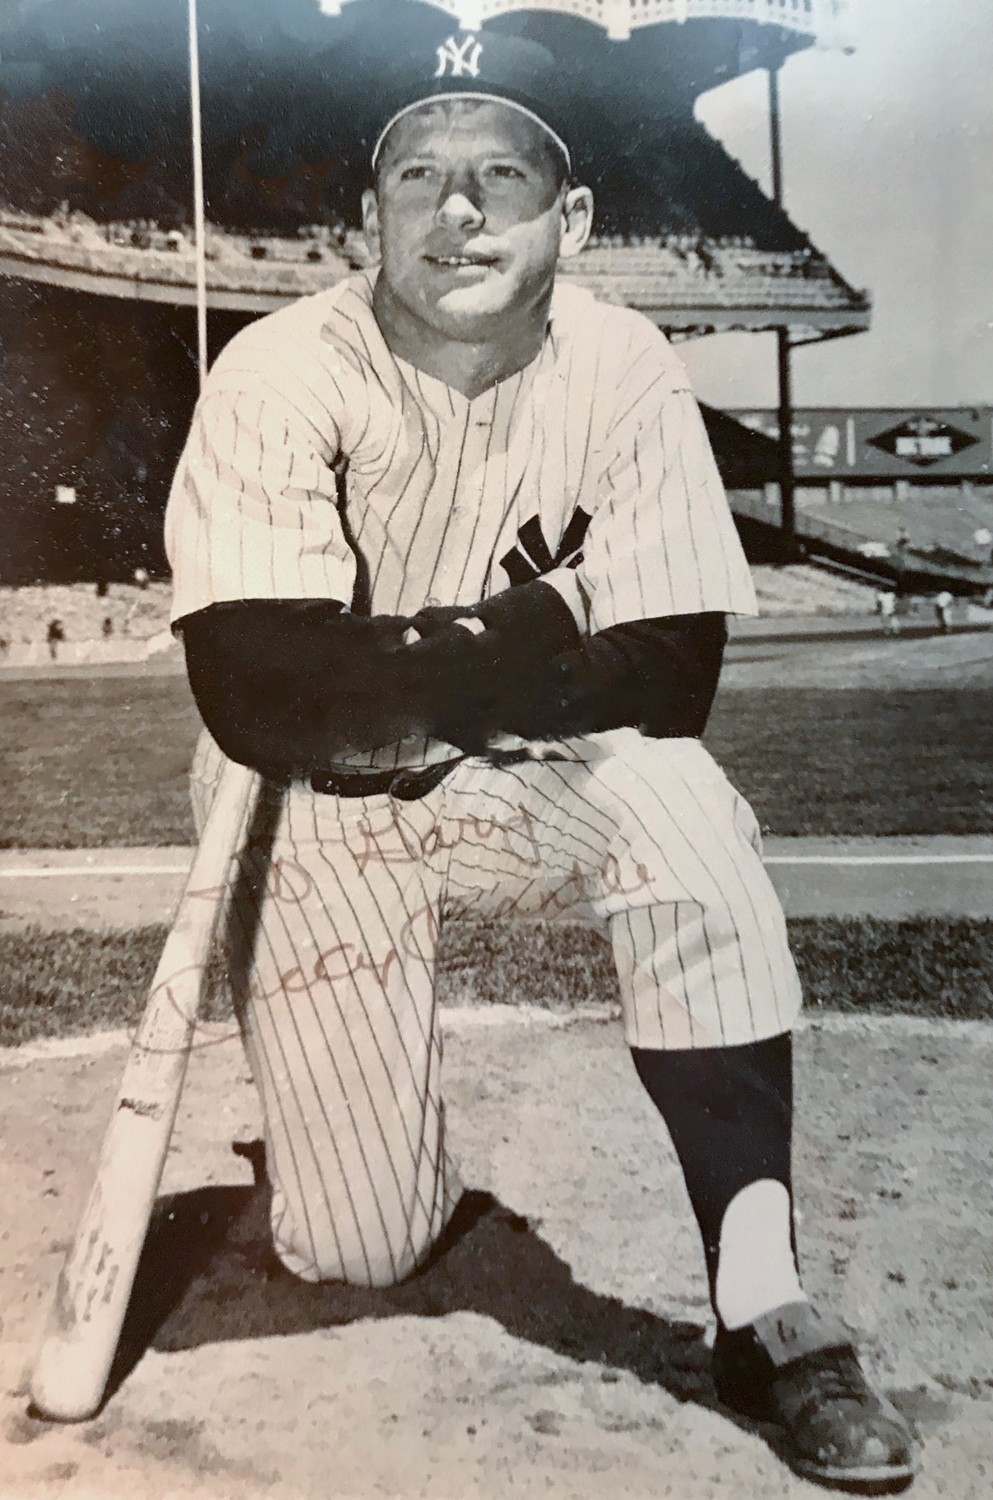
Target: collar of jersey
[458,400]
[363,283]
[487,397]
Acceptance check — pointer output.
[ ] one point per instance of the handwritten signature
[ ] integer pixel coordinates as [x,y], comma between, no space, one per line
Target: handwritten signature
[389,840]
[393,842]
[414,945]
[417,937]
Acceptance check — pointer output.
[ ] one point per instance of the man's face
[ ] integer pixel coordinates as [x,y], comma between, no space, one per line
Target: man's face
[468,216]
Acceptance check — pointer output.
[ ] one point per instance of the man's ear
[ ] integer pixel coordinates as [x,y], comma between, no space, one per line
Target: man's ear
[577,221]
[370,222]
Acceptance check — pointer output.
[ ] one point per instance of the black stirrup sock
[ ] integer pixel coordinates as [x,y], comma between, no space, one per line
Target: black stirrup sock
[729,1111]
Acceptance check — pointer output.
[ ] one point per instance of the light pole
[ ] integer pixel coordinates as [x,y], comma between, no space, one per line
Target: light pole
[199,232]
[787,484]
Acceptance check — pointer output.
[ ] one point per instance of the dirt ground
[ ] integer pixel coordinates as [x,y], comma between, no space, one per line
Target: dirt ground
[557,1348]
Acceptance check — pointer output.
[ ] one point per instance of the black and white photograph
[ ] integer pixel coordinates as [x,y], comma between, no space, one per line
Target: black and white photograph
[496,675]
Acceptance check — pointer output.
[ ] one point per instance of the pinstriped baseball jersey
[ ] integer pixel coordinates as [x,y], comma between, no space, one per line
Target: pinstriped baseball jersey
[589,468]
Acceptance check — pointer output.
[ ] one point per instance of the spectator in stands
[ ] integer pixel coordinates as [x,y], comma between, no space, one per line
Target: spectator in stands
[887,612]
[943,610]
[107,627]
[55,635]
[705,256]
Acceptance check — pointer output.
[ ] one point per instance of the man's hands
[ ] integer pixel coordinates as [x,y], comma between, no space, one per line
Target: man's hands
[659,676]
[434,618]
[462,667]
[503,680]
[518,681]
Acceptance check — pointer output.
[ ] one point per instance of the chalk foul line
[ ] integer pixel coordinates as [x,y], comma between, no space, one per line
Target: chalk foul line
[878,859]
[76,872]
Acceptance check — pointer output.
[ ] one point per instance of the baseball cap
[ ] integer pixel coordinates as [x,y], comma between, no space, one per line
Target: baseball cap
[481,65]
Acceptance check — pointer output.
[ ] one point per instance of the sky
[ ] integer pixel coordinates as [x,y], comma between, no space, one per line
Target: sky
[888,166]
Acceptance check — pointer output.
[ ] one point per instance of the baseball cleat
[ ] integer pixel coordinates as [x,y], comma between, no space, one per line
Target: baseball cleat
[801,1372]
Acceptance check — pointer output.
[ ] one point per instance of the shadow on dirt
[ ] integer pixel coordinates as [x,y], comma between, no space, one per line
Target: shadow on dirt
[208,1274]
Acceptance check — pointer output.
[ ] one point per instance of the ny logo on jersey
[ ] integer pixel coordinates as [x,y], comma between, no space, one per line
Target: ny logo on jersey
[458,60]
[532,557]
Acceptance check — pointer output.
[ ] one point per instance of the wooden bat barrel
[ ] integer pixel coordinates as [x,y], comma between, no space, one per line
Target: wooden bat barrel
[74,1360]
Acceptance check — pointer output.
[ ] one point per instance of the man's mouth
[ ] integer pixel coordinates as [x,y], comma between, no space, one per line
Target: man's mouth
[457,262]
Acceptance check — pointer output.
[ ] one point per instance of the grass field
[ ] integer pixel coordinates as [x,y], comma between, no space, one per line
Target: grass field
[95,760]
[64,984]
[103,760]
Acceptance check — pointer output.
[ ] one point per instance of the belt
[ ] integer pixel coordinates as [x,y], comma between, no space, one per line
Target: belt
[407,784]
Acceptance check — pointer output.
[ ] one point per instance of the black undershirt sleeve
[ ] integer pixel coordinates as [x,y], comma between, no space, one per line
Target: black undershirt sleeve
[289,686]
[658,675]
[281,684]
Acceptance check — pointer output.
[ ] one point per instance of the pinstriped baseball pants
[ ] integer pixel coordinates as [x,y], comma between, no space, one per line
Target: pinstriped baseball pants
[332,935]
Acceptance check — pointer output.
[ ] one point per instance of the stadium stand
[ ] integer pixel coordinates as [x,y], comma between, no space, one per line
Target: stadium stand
[679,179]
[931,520]
[800,589]
[662,271]
[668,273]
[139,623]
[80,253]
[922,542]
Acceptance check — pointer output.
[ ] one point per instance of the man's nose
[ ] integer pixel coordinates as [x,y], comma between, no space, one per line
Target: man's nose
[461,202]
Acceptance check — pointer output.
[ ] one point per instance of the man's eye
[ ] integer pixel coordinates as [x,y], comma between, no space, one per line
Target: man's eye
[505,170]
[414,174]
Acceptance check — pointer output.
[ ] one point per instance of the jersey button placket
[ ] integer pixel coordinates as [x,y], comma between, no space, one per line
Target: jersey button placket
[468,493]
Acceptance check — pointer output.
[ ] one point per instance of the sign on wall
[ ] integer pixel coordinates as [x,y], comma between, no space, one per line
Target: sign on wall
[885,442]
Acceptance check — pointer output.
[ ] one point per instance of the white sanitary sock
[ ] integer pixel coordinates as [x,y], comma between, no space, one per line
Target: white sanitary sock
[756,1271]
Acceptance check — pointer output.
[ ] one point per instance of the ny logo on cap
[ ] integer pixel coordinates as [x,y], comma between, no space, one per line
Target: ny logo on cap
[459,60]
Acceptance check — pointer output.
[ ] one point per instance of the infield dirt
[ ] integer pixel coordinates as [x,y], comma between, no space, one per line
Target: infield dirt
[557,1349]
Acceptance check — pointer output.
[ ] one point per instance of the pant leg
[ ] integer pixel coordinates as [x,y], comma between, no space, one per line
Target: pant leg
[332,941]
[648,839]
[701,948]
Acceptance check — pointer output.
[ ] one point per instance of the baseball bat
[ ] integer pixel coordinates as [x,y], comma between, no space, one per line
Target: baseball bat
[74,1360]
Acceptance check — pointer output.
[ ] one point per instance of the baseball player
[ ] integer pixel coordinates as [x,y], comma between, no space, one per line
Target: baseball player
[452,567]
[886,609]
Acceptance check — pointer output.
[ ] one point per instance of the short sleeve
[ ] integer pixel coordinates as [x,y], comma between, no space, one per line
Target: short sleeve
[662,540]
[253,512]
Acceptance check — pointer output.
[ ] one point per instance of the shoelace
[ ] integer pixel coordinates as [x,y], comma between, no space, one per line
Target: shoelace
[830,1377]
